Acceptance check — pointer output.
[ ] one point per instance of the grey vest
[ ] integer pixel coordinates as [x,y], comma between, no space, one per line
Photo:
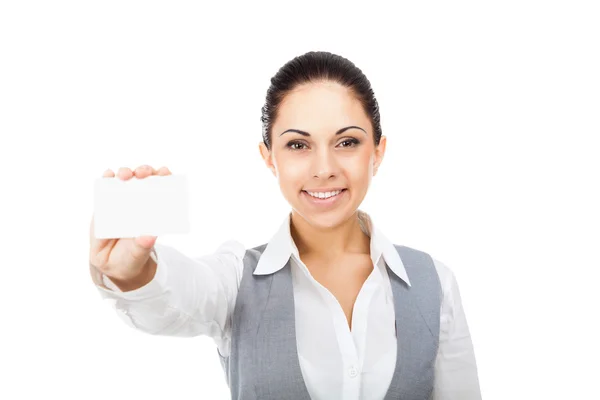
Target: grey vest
[263,362]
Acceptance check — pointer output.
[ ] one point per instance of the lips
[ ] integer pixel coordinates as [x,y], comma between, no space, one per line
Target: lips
[324,202]
[324,190]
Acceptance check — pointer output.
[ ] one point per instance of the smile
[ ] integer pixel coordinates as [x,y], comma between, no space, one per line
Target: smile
[324,200]
[325,195]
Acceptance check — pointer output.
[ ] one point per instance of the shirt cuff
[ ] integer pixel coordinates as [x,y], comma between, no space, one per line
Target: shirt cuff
[155,287]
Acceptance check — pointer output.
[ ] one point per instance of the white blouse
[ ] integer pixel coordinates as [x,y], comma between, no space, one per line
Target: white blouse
[195,296]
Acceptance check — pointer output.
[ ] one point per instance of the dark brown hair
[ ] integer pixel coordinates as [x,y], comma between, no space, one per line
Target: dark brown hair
[316,66]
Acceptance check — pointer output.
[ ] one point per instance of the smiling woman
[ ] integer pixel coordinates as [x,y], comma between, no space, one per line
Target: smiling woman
[329,308]
[322,133]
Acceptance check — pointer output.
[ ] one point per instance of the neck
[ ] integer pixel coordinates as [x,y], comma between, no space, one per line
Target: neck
[331,242]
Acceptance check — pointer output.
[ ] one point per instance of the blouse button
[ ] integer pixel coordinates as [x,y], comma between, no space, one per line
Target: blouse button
[353,372]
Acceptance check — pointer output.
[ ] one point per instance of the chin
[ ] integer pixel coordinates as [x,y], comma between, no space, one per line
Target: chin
[325,219]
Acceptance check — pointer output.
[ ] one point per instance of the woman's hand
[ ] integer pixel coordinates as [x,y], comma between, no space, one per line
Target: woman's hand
[126,261]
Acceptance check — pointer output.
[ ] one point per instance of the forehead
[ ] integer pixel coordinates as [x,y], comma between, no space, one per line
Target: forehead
[320,107]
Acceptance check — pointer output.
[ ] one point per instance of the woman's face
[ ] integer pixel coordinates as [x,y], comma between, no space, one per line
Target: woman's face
[335,152]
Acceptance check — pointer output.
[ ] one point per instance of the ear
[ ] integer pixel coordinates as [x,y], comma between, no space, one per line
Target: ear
[379,153]
[267,157]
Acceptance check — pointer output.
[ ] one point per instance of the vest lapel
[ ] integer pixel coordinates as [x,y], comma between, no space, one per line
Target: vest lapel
[417,337]
[281,376]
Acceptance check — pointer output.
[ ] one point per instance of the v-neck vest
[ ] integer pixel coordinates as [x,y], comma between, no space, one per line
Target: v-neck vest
[263,362]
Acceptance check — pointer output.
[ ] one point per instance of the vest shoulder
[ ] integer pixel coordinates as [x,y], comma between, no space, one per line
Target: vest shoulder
[252,256]
[403,249]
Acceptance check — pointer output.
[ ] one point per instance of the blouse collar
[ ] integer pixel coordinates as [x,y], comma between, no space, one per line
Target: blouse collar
[281,247]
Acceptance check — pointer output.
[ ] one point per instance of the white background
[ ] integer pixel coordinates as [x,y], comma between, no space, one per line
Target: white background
[492,116]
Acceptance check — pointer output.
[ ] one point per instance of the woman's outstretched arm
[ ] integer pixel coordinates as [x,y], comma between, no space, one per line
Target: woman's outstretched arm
[185,297]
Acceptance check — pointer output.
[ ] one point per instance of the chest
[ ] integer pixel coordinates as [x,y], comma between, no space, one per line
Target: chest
[343,278]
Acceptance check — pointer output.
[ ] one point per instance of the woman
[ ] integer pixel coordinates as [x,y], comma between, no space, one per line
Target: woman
[329,308]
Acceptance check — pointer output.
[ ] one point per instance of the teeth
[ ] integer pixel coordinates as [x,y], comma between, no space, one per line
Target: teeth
[324,195]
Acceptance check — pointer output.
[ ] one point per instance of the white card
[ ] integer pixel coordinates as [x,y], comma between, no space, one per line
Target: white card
[152,206]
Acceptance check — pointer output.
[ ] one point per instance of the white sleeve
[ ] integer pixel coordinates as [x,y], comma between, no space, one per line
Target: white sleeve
[187,296]
[455,368]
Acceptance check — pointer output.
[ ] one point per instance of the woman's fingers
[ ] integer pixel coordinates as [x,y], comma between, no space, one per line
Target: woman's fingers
[163,171]
[125,173]
[142,171]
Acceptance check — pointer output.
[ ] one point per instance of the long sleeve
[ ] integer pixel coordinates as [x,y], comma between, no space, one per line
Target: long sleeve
[456,375]
[187,296]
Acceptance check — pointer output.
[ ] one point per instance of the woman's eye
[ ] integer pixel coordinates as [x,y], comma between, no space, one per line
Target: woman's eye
[352,142]
[298,145]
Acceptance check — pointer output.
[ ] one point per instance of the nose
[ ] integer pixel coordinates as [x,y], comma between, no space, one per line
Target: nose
[324,164]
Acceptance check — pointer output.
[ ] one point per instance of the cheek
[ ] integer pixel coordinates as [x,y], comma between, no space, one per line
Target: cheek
[359,168]
[291,172]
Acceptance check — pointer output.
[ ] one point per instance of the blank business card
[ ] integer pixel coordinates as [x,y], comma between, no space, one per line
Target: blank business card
[152,206]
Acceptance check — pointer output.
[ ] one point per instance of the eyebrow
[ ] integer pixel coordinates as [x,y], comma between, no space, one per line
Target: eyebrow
[339,132]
